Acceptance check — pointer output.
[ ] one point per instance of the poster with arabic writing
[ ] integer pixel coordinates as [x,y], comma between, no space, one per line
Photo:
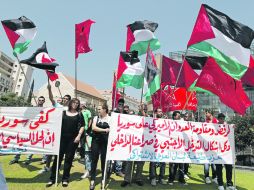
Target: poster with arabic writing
[30,130]
[137,138]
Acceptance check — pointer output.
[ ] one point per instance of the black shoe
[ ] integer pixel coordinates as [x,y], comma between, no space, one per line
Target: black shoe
[125,183]
[13,162]
[27,162]
[183,182]
[139,183]
[65,184]
[50,183]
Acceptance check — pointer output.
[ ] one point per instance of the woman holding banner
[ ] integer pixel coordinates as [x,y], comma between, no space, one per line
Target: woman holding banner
[72,129]
[99,145]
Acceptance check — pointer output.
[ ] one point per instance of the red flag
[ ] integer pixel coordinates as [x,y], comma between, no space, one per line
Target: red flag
[248,77]
[170,72]
[229,90]
[82,31]
[115,94]
[170,100]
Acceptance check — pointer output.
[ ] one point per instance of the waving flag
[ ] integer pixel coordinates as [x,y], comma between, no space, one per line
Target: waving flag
[152,78]
[41,60]
[140,34]
[169,98]
[224,39]
[229,90]
[130,71]
[20,33]
[171,70]
[82,32]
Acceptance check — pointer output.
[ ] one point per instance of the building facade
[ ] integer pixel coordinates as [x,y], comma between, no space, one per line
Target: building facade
[85,93]
[132,102]
[6,69]
[21,87]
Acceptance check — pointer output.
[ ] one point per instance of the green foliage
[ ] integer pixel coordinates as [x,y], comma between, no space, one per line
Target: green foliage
[244,131]
[12,100]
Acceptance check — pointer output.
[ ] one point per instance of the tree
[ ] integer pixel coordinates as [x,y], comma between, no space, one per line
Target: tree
[12,100]
[244,131]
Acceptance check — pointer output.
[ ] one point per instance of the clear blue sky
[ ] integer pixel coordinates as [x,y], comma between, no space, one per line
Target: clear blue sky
[55,21]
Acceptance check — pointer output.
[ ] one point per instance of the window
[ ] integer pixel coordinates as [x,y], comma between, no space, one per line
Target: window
[20,80]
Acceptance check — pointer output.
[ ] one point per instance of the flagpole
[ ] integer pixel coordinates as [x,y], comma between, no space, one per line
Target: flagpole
[114,103]
[76,78]
[186,103]
[26,79]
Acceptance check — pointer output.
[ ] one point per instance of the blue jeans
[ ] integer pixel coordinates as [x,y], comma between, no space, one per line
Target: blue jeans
[206,170]
[88,159]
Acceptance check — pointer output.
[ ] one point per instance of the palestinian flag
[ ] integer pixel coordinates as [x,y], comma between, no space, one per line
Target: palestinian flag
[130,71]
[20,32]
[140,34]
[224,39]
[152,78]
[41,60]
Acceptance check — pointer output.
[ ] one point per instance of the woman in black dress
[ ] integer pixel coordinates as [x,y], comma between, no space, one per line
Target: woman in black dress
[72,129]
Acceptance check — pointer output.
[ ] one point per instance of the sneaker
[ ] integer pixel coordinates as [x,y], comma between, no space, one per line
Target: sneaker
[13,162]
[139,183]
[120,174]
[65,184]
[163,182]
[50,183]
[221,188]
[215,180]
[230,188]
[170,182]
[186,177]
[153,182]
[45,169]
[207,180]
[86,175]
[125,183]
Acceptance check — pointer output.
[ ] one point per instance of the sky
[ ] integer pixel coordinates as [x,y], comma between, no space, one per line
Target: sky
[55,21]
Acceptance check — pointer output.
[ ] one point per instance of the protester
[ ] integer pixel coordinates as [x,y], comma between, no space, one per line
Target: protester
[138,166]
[221,117]
[85,149]
[187,117]
[63,103]
[118,165]
[72,129]
[65,99]
[173,166]
[210,119]
[153,165]
[40,103]
[100,129]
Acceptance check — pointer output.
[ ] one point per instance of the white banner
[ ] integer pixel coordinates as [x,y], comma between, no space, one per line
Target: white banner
[136,138]
[30,130]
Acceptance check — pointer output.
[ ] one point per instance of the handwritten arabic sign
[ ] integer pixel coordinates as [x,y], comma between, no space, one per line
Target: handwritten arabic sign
[30,130]
[137,138]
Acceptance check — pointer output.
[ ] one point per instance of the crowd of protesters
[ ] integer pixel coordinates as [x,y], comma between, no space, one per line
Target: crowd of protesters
[88,135]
